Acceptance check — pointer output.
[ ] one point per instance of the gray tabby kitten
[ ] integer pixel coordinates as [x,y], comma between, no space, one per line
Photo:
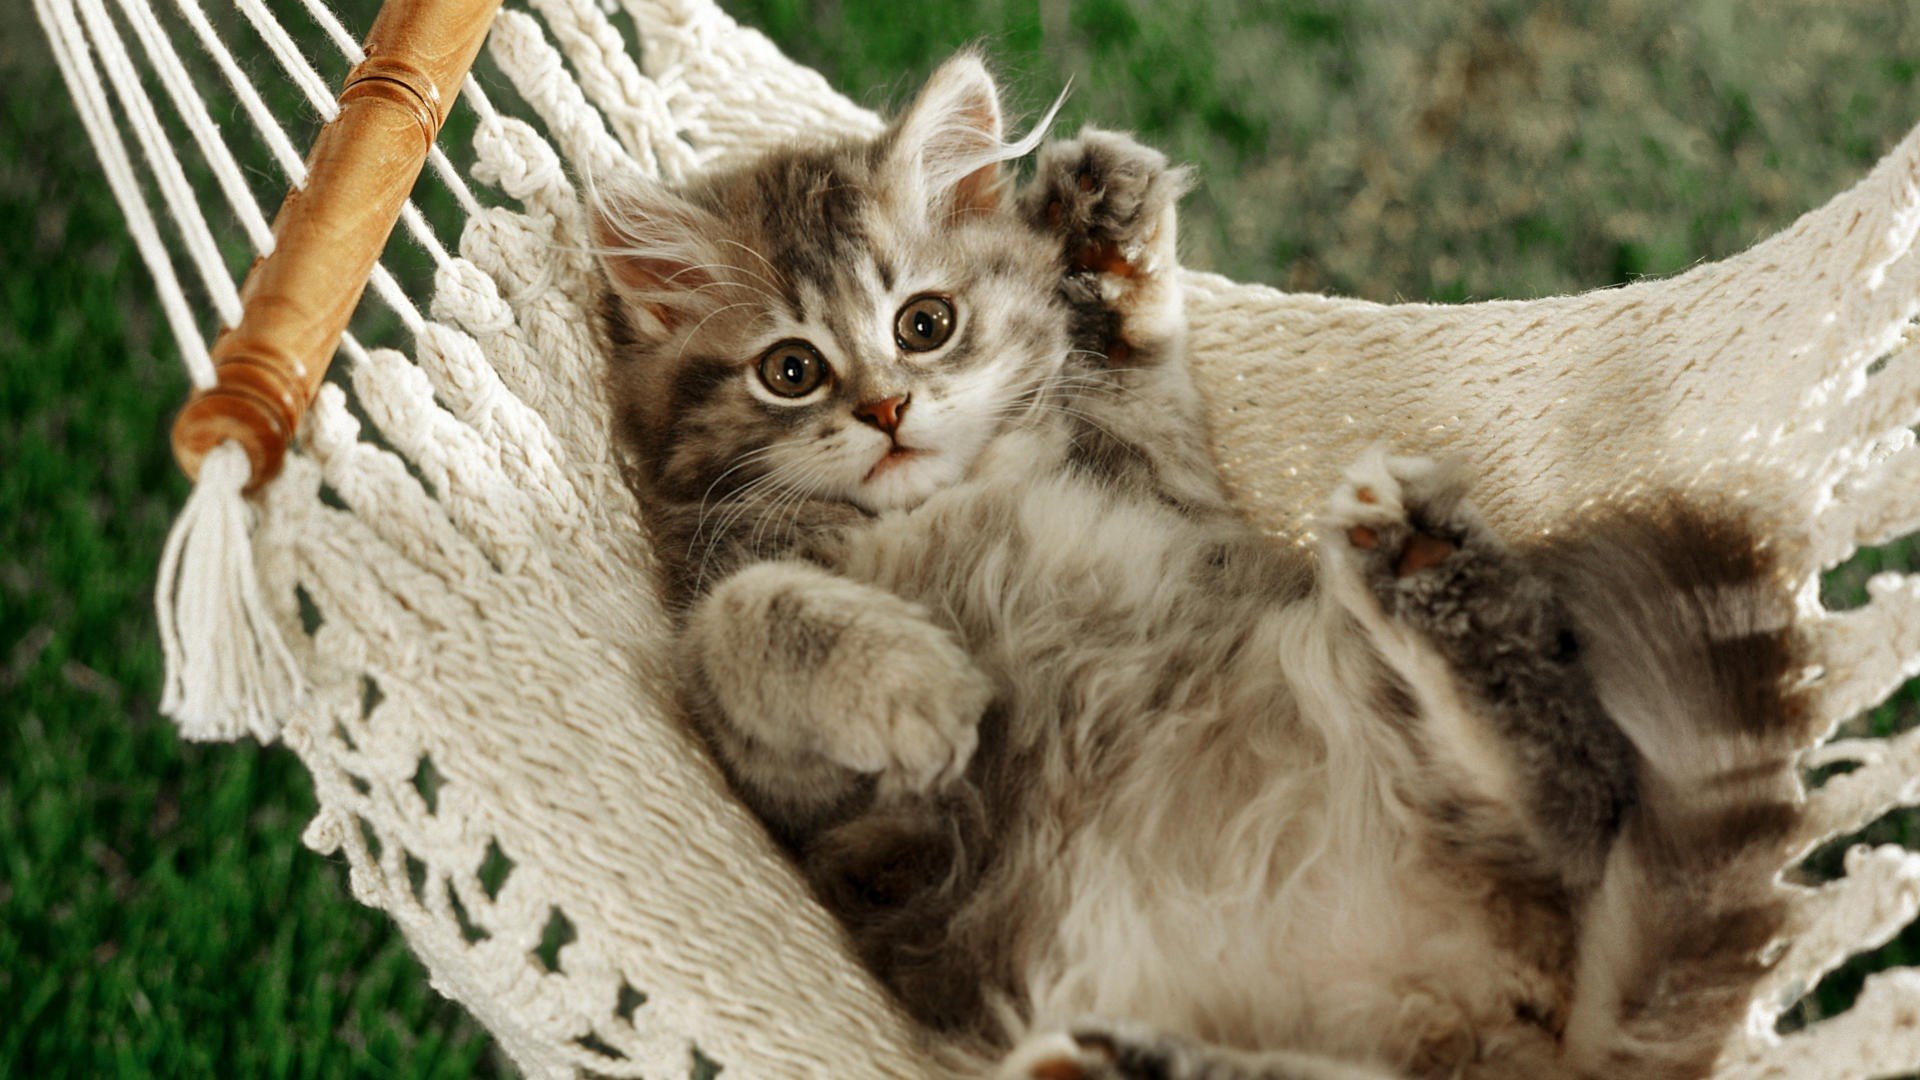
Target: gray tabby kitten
[968,620]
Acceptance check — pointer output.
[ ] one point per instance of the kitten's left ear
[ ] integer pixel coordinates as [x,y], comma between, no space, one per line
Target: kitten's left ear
[947,147]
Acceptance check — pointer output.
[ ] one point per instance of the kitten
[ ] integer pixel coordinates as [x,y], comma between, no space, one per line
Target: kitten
[967,619]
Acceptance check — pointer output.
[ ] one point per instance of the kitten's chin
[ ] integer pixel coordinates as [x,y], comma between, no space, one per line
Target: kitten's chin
[901,481]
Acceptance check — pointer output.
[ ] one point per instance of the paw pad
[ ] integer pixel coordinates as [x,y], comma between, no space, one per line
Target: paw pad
[1401,512]
[1423,551]
[1103,258]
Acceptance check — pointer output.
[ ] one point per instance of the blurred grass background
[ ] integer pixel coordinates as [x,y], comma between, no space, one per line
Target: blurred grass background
[158,915]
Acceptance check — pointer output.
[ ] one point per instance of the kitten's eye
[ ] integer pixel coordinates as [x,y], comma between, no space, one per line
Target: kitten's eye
[792,369]
[926,322]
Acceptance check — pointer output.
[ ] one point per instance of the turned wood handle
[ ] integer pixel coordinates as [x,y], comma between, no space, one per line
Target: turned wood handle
[328,234]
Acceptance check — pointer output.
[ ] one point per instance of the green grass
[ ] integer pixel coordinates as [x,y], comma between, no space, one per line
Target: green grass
[158,915]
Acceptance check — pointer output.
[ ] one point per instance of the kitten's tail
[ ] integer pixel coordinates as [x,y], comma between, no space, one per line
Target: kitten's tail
[1687,625]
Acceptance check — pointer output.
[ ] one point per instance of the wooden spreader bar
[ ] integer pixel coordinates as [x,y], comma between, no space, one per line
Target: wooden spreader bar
[328,235]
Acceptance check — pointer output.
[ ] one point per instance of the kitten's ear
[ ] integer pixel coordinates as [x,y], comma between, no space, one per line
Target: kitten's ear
[656,248]
[947,146]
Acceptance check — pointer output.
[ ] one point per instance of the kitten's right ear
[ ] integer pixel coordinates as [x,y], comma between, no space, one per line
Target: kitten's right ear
[655,248]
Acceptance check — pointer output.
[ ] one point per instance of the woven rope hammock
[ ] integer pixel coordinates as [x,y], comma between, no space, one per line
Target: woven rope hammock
[441,603]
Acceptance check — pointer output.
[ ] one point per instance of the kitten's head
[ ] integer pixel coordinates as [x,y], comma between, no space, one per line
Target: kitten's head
[853,321]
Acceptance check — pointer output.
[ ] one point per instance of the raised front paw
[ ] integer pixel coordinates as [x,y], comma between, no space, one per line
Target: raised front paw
[1106,196]
[815,667]
[1109,198]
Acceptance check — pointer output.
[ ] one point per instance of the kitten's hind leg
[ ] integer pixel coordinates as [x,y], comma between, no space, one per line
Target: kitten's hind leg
[1123,1051]
[1488,653]
[1110,200]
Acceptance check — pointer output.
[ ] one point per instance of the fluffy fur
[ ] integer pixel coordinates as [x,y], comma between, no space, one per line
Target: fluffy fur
[1057,735]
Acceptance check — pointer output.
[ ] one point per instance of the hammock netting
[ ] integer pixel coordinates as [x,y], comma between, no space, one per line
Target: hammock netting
[473,667]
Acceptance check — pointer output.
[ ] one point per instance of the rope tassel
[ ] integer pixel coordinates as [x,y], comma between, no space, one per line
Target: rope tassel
[229,671]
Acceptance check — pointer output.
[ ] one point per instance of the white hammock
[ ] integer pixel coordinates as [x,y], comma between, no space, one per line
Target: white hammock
[483,689]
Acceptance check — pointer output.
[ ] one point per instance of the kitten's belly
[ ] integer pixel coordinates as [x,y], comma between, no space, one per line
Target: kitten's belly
[1177,702]
[1348,957]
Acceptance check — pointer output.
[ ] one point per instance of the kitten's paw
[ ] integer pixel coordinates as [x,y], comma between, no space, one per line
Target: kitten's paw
[1132,1052]
[812,666]
[1096,1051]
[911,710]
[1110,199]
[1103,1050]
[1395,517]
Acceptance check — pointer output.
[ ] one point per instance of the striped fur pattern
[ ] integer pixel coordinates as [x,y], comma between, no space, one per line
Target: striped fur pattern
[1103,784]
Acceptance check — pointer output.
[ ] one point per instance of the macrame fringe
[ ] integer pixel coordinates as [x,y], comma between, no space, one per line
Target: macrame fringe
[229,672]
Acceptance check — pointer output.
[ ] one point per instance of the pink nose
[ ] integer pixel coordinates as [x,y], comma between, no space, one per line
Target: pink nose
[884,414]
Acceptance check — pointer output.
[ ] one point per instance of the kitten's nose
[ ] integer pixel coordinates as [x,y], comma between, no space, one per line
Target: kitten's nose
[884,414]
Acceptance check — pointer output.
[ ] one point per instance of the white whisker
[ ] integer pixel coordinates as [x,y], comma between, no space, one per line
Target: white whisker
[763,260]
[688,340]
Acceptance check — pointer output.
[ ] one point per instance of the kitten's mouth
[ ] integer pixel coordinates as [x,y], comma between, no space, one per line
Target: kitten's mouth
[894,456]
